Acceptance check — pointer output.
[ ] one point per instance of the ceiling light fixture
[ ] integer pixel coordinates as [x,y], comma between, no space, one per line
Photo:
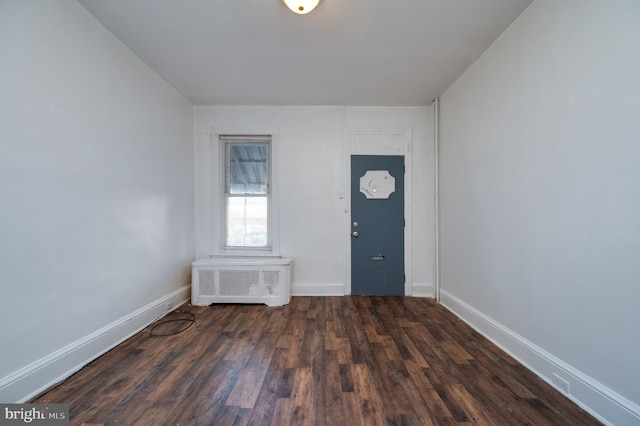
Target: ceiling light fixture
[301,7]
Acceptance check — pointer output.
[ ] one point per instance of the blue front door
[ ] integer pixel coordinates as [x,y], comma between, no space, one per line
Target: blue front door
[377,225]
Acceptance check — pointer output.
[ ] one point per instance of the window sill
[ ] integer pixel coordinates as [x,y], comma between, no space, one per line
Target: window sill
[242,253]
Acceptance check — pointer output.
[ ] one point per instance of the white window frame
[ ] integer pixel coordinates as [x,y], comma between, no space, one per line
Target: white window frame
[219,247]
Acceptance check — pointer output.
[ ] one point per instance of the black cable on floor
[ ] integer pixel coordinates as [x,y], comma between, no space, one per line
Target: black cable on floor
[190,321]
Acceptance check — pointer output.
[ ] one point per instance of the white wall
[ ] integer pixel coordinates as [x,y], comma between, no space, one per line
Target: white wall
[96,188]
[311,179]
[540,197]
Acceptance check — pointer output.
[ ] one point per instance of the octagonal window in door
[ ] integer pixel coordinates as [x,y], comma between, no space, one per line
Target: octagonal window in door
[377,184]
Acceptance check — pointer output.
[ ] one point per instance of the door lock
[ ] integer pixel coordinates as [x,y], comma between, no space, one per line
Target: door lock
[355,233]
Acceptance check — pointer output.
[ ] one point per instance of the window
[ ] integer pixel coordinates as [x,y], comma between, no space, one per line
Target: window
[247,192]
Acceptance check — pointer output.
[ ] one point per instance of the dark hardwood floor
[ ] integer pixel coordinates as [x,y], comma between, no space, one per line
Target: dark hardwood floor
[318,361]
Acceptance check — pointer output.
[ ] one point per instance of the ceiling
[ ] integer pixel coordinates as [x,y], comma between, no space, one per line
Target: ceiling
[345,52]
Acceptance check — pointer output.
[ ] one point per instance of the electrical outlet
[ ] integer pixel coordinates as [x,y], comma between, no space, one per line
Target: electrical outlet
[560,383]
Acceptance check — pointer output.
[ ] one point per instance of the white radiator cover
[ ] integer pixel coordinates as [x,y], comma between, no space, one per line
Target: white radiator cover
[241,280]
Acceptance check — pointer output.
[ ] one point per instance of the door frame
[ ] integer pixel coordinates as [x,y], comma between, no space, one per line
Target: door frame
[375,139]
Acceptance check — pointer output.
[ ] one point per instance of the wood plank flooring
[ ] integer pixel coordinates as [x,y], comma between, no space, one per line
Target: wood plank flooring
[318,361]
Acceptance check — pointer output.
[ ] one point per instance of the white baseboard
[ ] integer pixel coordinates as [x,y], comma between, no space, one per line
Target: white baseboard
[336,289]
[22,385]
[603,403]
[422,290]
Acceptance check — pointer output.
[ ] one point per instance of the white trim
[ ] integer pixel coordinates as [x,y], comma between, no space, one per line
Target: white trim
[422,290]
[404,132]
[29,381]
[436,199]
[336,289]
[592,396]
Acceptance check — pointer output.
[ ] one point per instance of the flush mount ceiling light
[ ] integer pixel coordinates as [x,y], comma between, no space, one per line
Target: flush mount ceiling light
[301,7]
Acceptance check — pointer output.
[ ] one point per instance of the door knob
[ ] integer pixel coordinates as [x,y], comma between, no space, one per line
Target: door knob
[355,233]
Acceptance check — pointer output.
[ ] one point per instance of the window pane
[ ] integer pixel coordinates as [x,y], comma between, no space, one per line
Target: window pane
[247,171]
[247,221]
